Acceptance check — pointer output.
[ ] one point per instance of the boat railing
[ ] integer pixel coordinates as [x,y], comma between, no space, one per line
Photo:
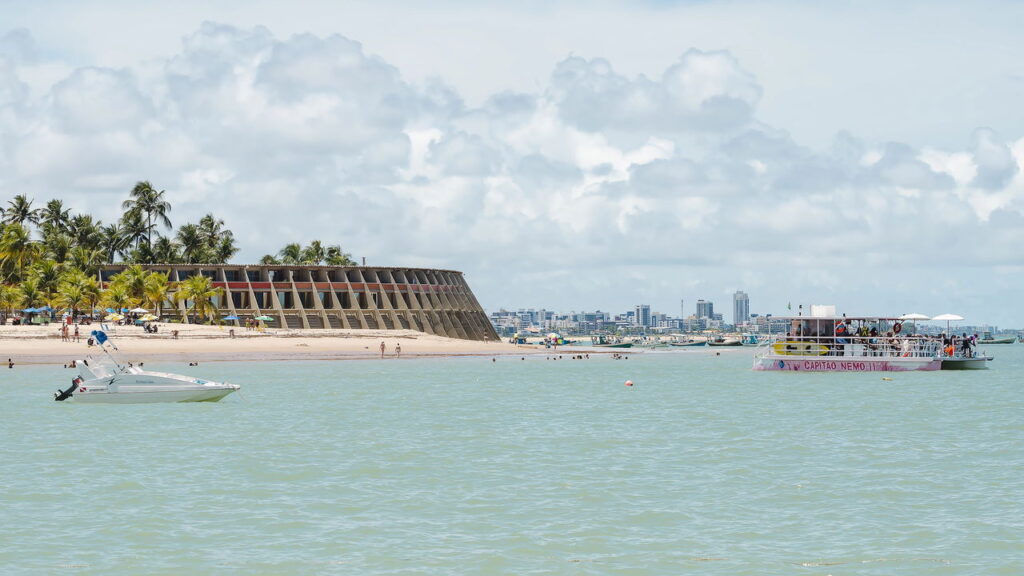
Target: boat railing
[857,346]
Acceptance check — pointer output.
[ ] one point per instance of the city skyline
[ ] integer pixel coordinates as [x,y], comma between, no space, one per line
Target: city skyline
[641,151]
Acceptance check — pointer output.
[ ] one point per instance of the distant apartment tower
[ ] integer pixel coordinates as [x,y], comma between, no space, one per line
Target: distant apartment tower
[740,308]
[642,317]
[705,309]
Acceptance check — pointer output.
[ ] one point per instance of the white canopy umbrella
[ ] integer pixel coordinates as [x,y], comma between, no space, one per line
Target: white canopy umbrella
[948,318]
[914,317]
[138,310]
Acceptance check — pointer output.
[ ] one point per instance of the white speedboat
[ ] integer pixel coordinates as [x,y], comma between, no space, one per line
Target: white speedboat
[107,380]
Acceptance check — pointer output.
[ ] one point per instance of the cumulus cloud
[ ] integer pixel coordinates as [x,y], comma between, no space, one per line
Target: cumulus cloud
[599,178]
[702,91]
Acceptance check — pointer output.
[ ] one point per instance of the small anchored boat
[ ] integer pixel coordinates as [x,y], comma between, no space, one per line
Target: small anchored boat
[987,338]
[107,380]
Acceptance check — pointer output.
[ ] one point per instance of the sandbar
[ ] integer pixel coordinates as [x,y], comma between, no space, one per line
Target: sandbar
[195,343]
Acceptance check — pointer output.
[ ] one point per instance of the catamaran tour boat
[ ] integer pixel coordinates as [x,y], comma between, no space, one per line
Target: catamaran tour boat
[859,344]
[108,380]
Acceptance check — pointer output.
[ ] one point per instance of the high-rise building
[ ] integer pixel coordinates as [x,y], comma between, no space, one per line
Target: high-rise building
[642,317]
[705,309]
[740,308]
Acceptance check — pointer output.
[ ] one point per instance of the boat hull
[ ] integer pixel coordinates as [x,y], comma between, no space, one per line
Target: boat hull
[976,363]
[1009,340]
[151,396]
[773,362]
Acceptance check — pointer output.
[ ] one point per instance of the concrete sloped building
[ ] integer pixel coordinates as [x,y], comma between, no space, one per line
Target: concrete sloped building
[318,297]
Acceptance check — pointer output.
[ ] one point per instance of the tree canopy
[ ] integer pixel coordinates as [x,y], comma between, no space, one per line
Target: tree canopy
[50,256]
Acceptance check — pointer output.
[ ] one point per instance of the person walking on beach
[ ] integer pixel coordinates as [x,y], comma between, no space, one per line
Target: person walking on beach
[382,348]
[76,332]
[398,350]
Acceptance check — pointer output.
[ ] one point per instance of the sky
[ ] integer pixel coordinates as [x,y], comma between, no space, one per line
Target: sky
[573,156]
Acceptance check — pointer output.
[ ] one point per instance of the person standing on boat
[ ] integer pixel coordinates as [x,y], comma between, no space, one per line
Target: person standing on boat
[843,330]
[965,346]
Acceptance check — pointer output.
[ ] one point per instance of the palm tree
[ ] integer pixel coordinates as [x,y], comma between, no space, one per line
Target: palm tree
[33,296]
[192,243]
[58,245]
[47,274]
[116,296]
[11,297]
[337,257]
[155,291]
[54,217]
[146,200]
[314,253]
[269,260]
[20,211]
[165,251]
[210,228]
[17,250]
[199,290]
[134,228]
[225,248]
[88,286]
[86,259]
[133,278]
[291,254]
[114,242]
[73,296]
[86,232]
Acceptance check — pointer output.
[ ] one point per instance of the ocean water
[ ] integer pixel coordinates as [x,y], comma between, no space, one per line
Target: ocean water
[535,466]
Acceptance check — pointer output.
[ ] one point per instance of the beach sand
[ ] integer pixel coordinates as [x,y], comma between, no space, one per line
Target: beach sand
[43,345]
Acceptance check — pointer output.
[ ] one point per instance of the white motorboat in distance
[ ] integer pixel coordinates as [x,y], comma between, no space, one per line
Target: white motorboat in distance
[107,380]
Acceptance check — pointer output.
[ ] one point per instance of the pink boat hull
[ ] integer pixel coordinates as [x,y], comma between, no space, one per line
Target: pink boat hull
[820,364]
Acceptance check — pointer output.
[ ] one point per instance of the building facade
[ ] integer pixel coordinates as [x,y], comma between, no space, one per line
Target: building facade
[319,297]
[705,309]
[740,308]
[642,315]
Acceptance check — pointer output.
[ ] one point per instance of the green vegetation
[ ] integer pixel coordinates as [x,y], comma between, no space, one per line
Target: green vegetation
[51,257]
[313,255]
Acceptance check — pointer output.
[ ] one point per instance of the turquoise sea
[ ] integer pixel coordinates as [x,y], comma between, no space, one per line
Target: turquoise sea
[535,466]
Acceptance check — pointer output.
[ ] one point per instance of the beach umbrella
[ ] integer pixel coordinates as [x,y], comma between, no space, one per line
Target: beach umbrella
[30,310]
[148,317]
[265,318]
[232,317]
[110,310]
[138,310]
[113,317]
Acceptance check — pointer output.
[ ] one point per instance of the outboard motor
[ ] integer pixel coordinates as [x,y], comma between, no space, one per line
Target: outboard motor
[62,395]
